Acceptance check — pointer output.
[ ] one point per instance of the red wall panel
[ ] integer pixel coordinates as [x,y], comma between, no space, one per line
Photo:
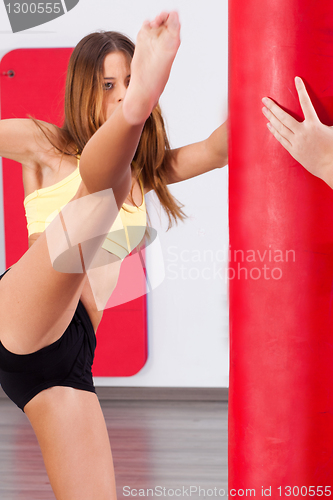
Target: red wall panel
[37,88]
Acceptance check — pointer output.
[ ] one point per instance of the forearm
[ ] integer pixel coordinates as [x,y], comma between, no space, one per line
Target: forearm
[196,159]
[217,146]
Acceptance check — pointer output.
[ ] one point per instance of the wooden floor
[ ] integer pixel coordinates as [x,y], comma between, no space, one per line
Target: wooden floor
[171,444]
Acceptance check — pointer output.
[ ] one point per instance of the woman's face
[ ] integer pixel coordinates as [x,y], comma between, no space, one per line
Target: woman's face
[117,73]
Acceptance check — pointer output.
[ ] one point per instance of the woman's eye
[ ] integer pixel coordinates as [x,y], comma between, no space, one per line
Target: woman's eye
[108,85]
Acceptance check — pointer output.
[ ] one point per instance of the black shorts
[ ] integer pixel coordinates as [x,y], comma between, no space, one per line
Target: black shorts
[66,362]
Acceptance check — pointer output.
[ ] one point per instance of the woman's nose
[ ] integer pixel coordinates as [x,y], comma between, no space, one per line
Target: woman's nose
[122,92]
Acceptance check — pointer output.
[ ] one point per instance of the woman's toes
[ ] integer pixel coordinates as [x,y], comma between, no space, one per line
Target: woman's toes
[173,21]
[159,20]
[146,25]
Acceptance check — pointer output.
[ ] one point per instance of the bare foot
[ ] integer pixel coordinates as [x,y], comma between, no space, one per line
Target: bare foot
[156,49]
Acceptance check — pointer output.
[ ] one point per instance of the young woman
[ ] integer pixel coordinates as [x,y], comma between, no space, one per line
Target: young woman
[48,311]
[310,142]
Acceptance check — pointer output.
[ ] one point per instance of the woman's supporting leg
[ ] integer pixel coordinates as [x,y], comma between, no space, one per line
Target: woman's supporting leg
[71,431]
[36,301]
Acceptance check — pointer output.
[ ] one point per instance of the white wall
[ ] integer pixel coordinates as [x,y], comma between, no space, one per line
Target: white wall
[188,316]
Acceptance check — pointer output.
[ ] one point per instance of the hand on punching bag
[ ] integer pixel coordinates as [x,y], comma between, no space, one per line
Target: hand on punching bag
[310,142]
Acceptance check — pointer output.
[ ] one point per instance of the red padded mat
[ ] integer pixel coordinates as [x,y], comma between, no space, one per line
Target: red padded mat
[37,88]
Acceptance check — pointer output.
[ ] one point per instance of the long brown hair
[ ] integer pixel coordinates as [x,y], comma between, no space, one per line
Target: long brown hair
[84,115]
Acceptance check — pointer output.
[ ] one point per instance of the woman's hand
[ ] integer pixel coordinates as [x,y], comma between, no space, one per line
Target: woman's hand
[310,142]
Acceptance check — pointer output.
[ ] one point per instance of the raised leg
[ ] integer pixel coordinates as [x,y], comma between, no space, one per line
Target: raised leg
[112,146]
[36,301]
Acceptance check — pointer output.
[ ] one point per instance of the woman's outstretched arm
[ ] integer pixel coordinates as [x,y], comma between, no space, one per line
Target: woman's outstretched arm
[21,140]
[310,142]
[195,159]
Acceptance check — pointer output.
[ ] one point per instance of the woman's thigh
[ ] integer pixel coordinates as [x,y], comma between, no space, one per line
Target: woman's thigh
[37,302]
[71,431]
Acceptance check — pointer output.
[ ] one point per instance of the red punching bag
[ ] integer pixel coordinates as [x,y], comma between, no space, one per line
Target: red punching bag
[281,257]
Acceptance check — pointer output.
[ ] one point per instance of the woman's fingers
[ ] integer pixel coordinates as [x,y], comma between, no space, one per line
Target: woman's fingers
[283,130]
[304,100]
[282,140]
[287,120]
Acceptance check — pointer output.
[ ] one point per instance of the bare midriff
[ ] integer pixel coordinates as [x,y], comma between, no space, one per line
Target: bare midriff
[33,237]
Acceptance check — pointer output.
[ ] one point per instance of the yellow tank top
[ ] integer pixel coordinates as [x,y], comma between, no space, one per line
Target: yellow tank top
[125,234]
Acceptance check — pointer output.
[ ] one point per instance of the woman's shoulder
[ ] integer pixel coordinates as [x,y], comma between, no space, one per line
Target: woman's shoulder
[46,164]
[27,140]
[21,139]
[47,136]
[47,150]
